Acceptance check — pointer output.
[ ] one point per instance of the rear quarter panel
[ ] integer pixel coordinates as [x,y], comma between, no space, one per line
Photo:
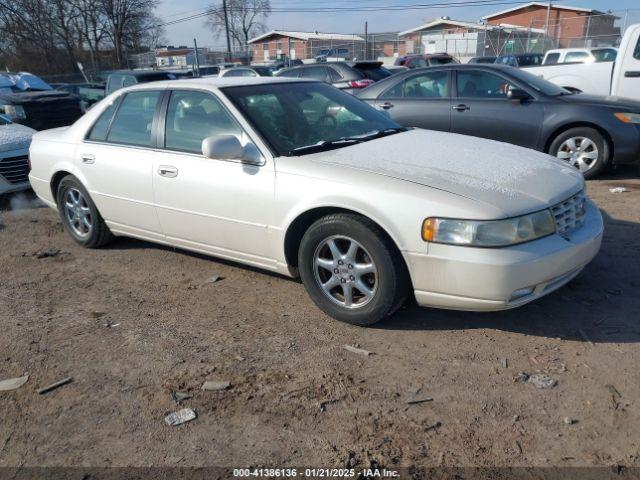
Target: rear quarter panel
[50,152]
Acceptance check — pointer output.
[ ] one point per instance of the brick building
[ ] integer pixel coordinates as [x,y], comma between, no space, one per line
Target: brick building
[302,45]
[568,26]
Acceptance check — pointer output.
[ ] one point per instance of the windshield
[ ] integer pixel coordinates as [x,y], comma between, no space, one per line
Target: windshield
[291,116]
[539,84]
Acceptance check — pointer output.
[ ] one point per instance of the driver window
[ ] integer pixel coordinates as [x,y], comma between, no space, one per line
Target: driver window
[475,84]
[194,116]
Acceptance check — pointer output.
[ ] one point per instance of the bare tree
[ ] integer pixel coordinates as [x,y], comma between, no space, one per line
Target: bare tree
[123,18]
[247,18]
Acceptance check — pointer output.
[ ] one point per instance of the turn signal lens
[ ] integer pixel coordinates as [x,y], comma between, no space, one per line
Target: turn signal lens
[628,117]
[429,227]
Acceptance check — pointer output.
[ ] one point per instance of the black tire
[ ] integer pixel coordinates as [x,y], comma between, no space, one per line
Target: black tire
[98,234]
[391,280]
[598,165]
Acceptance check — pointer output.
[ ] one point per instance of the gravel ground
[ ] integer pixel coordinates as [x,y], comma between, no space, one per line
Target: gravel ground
[133,322]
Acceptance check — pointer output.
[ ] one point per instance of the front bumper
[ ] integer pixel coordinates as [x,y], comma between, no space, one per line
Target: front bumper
[486,279]
[14,171]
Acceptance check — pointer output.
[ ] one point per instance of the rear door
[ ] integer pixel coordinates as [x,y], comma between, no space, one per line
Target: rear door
[115,162]
[421,100]
[481,108]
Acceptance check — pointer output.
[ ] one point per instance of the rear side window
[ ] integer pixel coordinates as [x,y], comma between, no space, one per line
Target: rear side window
[576,57]
[100,129]
[128,81]
[132,123]
[636,52]
[426,85]
[294,73]
[317,73]
[605,55]
[552,59]
[114,83]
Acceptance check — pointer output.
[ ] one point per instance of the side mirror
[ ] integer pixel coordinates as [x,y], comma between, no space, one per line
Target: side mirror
[228,147]
[518,94]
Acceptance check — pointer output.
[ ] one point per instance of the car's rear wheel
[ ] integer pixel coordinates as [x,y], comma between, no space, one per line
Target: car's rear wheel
[583,148]
[352,270]
[80,216]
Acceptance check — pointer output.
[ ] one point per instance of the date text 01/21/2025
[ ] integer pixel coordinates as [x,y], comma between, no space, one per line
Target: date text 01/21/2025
[315,473]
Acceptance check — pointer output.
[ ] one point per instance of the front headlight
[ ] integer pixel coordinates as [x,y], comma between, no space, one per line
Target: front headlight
[492,233]
[628,117]
[14,112]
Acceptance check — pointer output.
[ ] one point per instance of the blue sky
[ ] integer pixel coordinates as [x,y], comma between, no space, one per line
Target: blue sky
[347,22]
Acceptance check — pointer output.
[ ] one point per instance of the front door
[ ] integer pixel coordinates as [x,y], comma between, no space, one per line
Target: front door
[421,100]
[115,164]
[482,109]
[215,206]
[628,70]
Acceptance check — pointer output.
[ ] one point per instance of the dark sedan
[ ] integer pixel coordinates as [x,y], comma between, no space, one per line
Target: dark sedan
[510,105]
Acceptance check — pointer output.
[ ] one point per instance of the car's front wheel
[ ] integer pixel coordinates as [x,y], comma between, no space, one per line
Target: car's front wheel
[352,270]
[583,148]
[80,216]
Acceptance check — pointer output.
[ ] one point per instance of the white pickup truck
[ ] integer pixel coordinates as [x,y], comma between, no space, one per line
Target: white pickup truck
[620,78]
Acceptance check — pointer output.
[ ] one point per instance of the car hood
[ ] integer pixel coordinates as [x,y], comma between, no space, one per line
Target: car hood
[15,137]
[602,101]
[512,179]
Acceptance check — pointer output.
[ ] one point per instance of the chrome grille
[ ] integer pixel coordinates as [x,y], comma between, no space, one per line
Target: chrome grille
[569,215]
[15,169]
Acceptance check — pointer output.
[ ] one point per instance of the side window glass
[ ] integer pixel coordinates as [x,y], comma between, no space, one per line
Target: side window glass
[475,84]
[394,92]
[194,116]
[132,123]
[552,59]
[636,52]
[317,73]
[573,57]
[333,75]
[101,127]
[115,82]
[429,85]
[128,81]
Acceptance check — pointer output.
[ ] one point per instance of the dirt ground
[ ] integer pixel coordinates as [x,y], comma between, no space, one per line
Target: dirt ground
[134,321]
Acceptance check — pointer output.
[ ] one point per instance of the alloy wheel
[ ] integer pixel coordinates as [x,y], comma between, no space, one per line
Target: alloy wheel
[345,272]
[78,213]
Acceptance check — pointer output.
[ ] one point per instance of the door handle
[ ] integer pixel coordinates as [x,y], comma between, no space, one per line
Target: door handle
[387,105]
[461,108]
[88,158]
[167,171]
[632,74]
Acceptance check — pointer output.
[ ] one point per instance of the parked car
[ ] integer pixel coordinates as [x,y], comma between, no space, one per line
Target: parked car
[580,55]
[347,76]
[251,71]
[521,60]
[514,106]
[126,78]
[298,177]
[620,78]
[476,60]
[14,156]
[29,100]
[89,93]
[425,60]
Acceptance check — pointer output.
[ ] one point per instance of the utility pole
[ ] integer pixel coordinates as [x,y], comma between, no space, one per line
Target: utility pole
[196,60]
[226,29]
[366,41]
[546,23]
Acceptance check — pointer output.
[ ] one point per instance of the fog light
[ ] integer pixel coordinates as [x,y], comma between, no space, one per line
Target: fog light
[521,293]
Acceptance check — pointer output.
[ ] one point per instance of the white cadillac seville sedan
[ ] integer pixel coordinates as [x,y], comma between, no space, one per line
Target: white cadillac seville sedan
[302,179]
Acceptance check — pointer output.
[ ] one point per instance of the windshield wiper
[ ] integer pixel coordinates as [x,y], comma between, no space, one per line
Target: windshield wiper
[324,145]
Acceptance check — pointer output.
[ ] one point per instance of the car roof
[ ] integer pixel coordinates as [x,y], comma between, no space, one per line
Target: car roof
[216,82]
